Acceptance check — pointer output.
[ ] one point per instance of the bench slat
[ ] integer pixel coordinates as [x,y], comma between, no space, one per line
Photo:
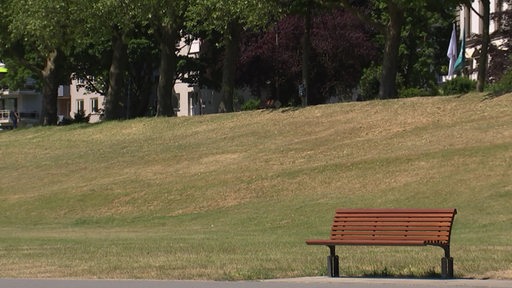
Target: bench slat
[394,214]
[390,233]
[339,234]
[392,219]
[367,242]
[392,237]
[394,210]
[366,227]
[342,225]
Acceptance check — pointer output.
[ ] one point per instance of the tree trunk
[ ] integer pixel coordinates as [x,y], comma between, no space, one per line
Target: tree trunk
[306,56]
[482,62]
[50,89]
[232,50]
[387,88]
[142,97]
[116,102]
[167,71]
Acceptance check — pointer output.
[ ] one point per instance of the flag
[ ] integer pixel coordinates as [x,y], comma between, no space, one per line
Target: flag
[459,64]
[452,52]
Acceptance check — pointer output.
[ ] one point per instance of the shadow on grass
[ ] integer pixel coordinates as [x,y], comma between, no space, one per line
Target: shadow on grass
[494,95]
[282,109]
[386,273]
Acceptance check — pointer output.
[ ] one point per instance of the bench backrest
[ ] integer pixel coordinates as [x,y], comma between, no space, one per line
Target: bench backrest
[396,226]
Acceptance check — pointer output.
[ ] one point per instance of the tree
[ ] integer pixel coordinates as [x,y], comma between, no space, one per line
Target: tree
[114,19]
[389,17]
[341,49]
[119,59]
[230,18]
[133,38]
[120,29]
[37,37]
[306,9]
[166,17]
[393,30]
[143,58]
[389,24]
[484,50]
[423,47]
[404,28]
[306,53]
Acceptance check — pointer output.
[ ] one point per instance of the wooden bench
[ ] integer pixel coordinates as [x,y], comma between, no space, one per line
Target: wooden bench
[390,227]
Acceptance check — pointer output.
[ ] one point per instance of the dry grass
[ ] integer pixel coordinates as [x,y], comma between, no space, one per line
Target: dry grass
[234,196]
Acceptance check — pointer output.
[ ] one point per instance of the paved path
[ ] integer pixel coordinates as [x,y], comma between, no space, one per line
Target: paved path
[311,282]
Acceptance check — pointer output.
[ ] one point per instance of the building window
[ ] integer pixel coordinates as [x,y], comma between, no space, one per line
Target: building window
[94,105]
[80,105]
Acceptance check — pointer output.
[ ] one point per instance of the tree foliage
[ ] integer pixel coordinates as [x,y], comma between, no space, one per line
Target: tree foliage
[341,49]
[230,18]
[37,37]
[422,52]
[269,45]
[117,52]
[401,23]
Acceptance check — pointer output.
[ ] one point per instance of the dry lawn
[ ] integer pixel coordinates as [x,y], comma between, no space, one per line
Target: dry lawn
[234,196]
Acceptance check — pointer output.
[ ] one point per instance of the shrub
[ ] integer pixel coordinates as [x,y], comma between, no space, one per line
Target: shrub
[251,104]
[415,92]
[369,83]
[459,85]
[504,85]
[81,118]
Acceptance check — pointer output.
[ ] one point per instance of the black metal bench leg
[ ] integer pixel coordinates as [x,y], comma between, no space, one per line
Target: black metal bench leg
[333,263]
[447,267]
[447,264]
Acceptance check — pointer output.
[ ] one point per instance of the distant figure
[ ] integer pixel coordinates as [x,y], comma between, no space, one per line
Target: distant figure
[14,118]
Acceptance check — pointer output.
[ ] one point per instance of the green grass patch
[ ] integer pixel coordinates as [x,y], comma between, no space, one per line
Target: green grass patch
[234,196]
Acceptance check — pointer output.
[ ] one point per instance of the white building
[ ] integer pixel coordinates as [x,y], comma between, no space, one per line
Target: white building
[81,100]
[189,98]
[193,100]
[471,23]
[27,102]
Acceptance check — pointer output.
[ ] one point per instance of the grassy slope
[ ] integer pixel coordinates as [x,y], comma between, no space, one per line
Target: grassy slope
[234,196]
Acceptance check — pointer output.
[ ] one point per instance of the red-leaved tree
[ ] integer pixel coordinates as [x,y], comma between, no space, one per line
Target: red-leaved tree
[341,49]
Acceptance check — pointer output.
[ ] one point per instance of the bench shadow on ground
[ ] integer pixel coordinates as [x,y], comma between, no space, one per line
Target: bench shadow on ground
[427,275]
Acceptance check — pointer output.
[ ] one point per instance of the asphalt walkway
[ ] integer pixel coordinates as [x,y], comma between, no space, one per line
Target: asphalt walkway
[309,282]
